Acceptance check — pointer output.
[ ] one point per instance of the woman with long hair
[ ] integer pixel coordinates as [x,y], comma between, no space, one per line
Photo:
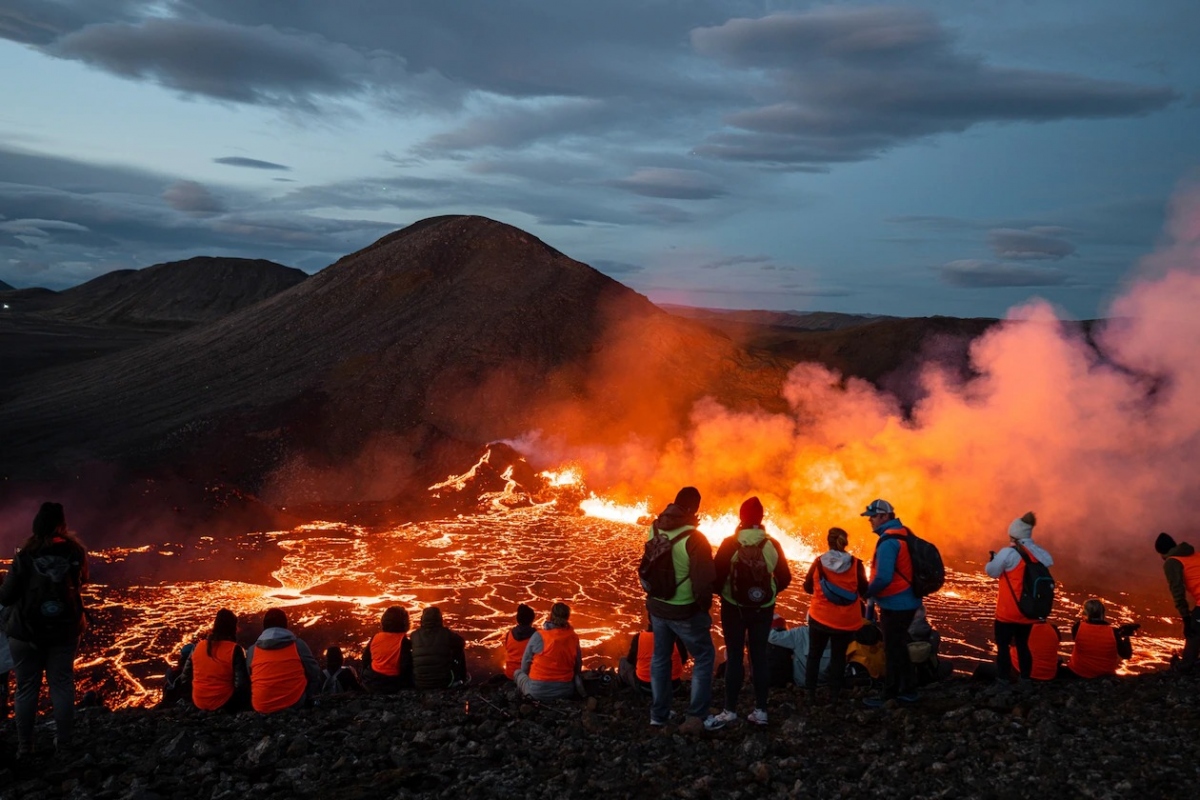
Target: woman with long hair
[43,586]
[216,668]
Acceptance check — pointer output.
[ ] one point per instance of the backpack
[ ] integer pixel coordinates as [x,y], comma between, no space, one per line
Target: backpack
[929,573]
[749,576]
[51,606]
[834,593]
[1037,593]
[656,571]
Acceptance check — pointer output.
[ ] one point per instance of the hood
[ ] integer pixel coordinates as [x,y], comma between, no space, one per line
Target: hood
[551,625]
[431,618]
[891,524]
[674,517]
[751,536]
[523,632]
[275,638]
[1037,552]
[1181,549]
[836,561]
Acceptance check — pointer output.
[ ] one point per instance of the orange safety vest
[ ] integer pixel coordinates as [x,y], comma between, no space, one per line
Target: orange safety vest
[1191,574]
[556,662]
[829,614]
[514,651]
[1095,653]
[277,679]
[212,676]
[385,653]
[1043,646]
[902,574]
[646,655]
[1011,584]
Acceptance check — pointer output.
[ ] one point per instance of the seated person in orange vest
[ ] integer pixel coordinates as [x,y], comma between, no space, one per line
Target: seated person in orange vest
[516,639]
[634,668]
[1099,647]
[1044,640]
[283,671]
[216,668]
[438,653]
[338,677]
[553,659]
[387,660]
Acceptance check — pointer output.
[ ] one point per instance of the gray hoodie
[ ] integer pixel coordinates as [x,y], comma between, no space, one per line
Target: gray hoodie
[276,638]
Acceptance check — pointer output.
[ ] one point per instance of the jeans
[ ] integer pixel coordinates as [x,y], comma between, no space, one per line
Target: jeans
[1191,644]
[818,637]
[696,633]
[1013,633]
[899,678]
[58,663]
[736,623]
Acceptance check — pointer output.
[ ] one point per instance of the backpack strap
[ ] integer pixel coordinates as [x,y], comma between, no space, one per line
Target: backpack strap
[672,542]
[900,537]
[1024,557]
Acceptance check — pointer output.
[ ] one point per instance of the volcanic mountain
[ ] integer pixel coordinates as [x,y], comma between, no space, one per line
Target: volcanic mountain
[4,287]
[451,332]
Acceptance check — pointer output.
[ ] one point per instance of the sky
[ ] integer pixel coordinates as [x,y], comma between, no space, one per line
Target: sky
[905,158]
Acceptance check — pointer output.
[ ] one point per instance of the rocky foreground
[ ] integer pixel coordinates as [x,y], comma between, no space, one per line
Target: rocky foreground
[1138,736]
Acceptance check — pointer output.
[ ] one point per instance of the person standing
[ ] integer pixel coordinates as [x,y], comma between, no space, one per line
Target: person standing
[682,612]
[837,581]
[751,570]
[891,590]
[1181,565]
[44,587]
[1008,567]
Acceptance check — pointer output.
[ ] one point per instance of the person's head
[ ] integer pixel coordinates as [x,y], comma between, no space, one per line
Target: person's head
[50,520]
[560,613]
[838,539]
[878,512]
[524,615]
[333,659]
[1164,544]
[1021,528]
[750,515]
[432,618]
[394,620]
[1094,610]
[275,618]
[224,627]
[688,500]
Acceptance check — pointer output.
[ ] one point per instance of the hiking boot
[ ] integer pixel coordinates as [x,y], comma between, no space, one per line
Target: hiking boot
[657,723]
[693,726]
[718,721]
[908,697]
[757,717]
[875,702]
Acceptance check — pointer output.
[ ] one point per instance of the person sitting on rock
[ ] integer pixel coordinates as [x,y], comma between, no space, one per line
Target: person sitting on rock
[175,688]
[797,640]
[339,677]
[1044,640]
[779,659]
[1099,647]
[283,671]
[553,659]
[387,661]
[216,668]
[438,653]
[516,640]
[928,663]
[634,668]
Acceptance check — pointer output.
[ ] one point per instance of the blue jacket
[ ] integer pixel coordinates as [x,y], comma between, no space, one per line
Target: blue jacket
[883,569]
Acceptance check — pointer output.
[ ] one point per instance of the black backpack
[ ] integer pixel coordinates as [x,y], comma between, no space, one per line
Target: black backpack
[656,571]
[749,576]
[1037,592]
[51,607]
[929,573]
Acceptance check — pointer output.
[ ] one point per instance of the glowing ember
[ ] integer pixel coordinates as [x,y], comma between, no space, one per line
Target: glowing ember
[602,508]
[567,476]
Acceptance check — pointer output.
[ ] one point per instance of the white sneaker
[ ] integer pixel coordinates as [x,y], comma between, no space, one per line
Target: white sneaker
[757,717]
[718,721]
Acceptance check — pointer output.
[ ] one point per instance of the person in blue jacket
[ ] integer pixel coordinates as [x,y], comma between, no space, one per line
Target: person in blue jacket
[891,591]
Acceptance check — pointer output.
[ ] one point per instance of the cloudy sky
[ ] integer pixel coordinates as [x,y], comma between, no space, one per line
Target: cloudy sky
[908,158]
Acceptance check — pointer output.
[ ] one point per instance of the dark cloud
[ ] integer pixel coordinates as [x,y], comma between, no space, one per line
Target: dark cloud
[971,273]
[672,184]
[665,214]
[192,198]
[1030,245]
[250,163]
[39,22]
[736,261]
[519,125]
[846,84]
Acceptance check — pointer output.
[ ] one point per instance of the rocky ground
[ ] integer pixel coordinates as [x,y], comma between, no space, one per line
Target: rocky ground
[1112,738]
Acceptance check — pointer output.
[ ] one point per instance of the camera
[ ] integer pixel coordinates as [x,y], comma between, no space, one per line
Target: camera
[1127,630]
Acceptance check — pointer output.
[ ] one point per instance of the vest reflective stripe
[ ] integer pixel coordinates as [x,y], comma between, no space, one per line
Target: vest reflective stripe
[514,651]
[646,655]
[556,662]
[385,653]
[1006,600]
[1043,646]
[1191,575]
[1095,652]
[683,565]
[277,679]
[831,615]
[212,676]
[903,572]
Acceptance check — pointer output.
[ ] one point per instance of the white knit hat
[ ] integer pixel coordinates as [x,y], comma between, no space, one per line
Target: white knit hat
[1022,527]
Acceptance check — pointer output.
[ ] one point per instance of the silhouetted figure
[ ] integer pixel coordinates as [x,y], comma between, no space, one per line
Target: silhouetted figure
[216,668]
[283,671]
[387,660]
[175,688]
[1181,565]
[6,663]
[438,653]
[338,677]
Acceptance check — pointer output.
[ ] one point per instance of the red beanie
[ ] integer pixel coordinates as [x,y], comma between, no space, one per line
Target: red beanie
[751,512]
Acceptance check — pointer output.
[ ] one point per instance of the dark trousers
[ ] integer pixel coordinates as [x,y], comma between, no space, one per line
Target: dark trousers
[738,624]
[1013,633]
[57,662]
[1191,644]
[899,678]
[818,637]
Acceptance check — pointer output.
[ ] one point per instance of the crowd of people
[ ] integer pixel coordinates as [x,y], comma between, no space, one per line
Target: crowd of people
[863,625]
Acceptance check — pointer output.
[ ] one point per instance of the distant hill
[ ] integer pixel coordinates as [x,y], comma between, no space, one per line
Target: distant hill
[735,320]
[4,287]
[448,333]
